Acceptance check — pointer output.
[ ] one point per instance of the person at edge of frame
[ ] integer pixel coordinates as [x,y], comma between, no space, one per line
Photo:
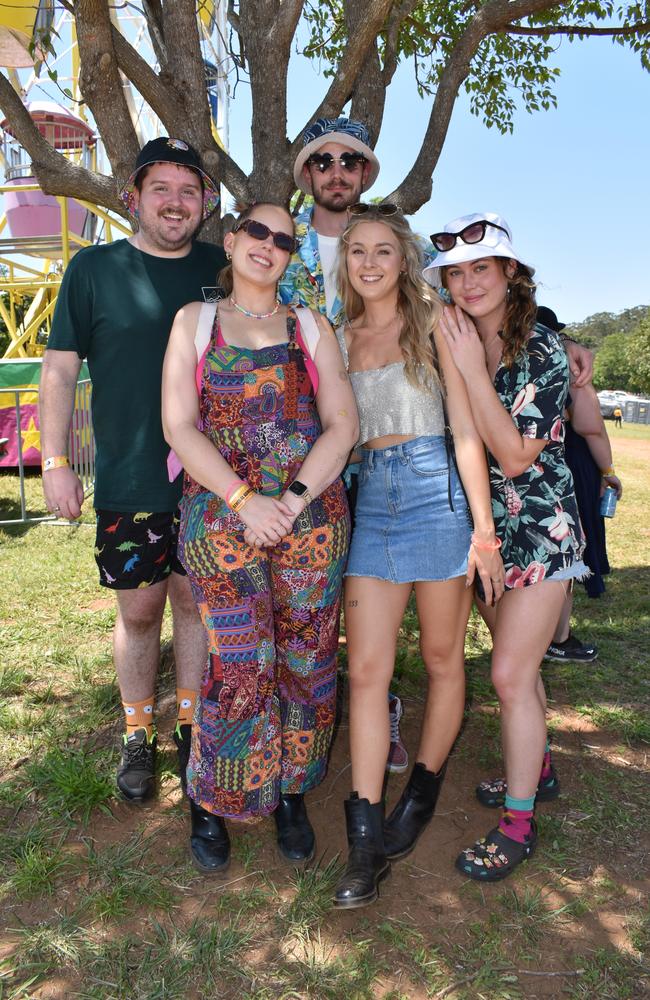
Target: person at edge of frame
[115,308]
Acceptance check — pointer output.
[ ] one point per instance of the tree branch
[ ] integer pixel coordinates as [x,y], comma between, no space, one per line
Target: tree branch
[102,88]
[56,175]
[372,19]
[286,21]
[416,187]
[570,29]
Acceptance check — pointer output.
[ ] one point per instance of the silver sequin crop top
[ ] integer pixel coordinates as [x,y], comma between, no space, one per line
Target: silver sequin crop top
[389,404]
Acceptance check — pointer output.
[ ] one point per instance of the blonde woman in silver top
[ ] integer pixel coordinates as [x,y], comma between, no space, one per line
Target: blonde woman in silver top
[412,531]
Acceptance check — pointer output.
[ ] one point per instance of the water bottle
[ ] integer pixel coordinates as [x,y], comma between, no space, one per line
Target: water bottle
[608,502]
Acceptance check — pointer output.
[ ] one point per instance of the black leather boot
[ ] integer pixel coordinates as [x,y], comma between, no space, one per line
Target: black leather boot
[296,840]
[209,842]
[413,812]
[367,862]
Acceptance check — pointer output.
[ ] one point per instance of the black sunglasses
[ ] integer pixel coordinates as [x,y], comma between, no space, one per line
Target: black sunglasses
[324,161]
[473,233]
[385,208]
[260,232]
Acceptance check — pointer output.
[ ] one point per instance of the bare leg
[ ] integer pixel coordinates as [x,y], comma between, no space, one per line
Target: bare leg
[443,610]
[373,613]
[136,640]
[561,633]
[190,644]
[525,622]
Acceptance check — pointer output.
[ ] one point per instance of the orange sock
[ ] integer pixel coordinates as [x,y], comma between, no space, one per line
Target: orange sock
[185,702]
[139,715]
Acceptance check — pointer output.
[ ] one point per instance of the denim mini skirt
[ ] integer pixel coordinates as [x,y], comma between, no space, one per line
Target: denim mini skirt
[405,529]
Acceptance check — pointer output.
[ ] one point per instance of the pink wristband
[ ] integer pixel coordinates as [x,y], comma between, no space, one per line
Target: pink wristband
[491,546]
[231,489]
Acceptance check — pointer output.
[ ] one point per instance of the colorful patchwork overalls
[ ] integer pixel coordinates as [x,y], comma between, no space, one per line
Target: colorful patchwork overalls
[265,715]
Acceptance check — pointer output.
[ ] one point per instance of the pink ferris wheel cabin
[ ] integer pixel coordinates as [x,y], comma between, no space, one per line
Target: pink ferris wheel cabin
[31,213]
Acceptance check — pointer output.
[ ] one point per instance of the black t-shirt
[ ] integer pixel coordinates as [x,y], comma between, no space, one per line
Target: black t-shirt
[116,307]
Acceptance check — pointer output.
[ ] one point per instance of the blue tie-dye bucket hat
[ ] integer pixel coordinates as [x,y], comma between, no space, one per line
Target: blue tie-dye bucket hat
[345,131]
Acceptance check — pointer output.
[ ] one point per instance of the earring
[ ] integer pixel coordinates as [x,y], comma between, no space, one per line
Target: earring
[228,256]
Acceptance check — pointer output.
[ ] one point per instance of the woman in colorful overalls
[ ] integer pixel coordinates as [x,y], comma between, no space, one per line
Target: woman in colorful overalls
[264,537]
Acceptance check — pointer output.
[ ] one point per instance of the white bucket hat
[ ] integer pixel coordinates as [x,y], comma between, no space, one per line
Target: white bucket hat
[496,242]
[345,131]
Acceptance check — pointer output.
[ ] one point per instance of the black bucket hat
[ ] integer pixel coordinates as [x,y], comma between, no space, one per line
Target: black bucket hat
[166,150]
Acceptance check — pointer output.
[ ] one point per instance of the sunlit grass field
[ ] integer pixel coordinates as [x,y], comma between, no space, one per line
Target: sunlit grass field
[99,899]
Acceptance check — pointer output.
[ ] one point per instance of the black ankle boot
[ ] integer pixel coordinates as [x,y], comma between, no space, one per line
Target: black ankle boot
[209,842]
[413,812]
[296,840]
[367,863]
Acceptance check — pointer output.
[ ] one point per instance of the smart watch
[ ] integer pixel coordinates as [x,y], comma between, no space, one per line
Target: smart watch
[300,490]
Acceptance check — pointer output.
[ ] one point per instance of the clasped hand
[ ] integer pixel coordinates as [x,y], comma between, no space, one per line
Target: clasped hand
[267,521]
[489,566]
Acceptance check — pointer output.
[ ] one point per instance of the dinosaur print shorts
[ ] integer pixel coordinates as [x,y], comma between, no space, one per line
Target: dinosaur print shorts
[136,550]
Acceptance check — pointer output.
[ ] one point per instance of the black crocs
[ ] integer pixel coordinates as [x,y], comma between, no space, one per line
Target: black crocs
[492,792]
[495,856]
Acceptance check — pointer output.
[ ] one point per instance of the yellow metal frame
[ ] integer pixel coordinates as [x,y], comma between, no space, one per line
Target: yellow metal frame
[43,280]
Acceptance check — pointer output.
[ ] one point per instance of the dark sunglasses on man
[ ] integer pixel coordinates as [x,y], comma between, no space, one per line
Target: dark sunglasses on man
[474,233]
[258,231]
[385,208]
[325,161]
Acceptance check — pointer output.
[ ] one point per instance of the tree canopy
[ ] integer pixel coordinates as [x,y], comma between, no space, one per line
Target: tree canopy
[501,51]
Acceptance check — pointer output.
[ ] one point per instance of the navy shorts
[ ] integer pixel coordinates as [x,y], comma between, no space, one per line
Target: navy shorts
[136,550]
[405,529]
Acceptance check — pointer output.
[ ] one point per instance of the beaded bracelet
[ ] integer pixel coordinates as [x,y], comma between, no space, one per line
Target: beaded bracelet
[492,546]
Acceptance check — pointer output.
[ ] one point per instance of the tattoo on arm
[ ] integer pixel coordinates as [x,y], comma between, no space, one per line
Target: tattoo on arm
[353,604]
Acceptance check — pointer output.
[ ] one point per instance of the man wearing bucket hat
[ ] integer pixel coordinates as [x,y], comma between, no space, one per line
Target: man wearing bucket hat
[115,308]
[335,166]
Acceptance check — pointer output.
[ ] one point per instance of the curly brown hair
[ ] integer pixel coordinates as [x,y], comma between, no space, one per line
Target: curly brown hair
[520,308]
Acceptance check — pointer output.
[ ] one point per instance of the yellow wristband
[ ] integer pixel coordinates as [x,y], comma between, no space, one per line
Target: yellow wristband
[55,462]
[608,472]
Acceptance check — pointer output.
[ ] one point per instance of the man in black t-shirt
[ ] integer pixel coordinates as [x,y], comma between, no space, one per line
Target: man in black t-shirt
[116,307]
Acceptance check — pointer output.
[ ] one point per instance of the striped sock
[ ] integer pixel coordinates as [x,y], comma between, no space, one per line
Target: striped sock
[516,819]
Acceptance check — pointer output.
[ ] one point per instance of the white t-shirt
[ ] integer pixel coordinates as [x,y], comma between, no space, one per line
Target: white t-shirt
[327,249]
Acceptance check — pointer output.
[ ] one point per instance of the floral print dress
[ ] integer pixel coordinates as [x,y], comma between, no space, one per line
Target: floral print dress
[535,513]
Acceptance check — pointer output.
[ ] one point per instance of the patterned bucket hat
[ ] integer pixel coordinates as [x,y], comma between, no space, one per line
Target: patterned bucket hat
[345,131]
[166,150]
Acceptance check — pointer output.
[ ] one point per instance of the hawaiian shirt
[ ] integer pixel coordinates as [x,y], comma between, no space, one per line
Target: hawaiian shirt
[303,283]
[536,513]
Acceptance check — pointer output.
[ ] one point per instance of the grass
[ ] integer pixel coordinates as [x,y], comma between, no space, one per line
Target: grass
[99,901]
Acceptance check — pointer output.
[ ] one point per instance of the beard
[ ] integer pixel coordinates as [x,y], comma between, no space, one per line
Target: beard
[339,199]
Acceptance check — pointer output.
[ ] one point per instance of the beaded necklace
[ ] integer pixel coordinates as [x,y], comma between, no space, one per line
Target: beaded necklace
[254,315]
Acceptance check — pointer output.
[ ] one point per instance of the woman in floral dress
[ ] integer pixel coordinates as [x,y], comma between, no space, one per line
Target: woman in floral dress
[517,377]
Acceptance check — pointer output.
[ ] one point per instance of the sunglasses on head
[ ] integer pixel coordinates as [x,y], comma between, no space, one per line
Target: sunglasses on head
[474,233]
[324,161]
[258,231]
[384,208]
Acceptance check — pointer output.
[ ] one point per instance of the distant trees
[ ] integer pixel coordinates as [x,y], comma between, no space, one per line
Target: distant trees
[593,330]
[623,358]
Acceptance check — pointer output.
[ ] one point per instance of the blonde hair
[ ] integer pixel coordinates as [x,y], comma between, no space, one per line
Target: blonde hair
[418,304]
[224,277]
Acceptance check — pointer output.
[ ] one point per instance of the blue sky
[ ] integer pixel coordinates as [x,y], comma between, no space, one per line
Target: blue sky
[572,183]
